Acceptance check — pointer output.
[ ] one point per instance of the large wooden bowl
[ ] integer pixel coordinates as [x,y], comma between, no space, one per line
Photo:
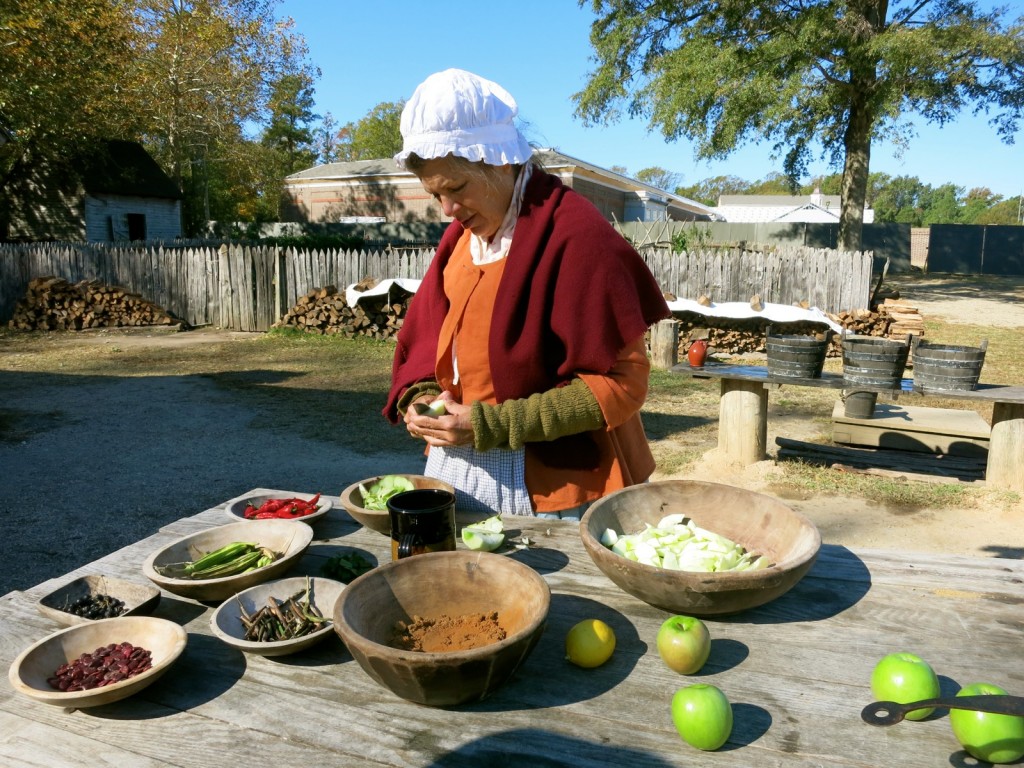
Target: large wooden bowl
[430,586]
[288,537]
[29,673]
[758,522]
[378,519]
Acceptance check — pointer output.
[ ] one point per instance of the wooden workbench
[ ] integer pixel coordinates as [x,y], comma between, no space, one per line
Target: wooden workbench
[796,670]
[743,414]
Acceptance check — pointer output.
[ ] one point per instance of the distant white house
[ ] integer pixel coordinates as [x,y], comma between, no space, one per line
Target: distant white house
[111,191]
[815,208]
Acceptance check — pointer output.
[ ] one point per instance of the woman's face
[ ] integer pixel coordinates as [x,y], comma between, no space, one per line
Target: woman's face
[478,196]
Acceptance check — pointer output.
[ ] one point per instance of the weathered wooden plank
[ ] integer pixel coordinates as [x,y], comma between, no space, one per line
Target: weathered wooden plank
[27,743]
[796,670]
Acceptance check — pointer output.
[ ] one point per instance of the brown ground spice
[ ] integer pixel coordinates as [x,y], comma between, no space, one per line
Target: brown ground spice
[448,633]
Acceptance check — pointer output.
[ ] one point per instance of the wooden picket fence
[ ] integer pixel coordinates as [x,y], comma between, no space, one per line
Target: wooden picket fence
[248,288]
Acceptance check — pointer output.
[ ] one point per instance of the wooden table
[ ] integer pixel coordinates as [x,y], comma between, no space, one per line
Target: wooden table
[796,671]
[743,414]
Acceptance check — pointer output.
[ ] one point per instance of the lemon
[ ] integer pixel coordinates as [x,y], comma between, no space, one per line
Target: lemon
[590,643]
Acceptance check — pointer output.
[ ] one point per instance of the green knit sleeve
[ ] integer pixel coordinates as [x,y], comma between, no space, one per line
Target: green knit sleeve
[418,389]
[548,415]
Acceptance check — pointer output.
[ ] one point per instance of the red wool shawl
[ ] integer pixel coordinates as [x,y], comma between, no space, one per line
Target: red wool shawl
[573,294]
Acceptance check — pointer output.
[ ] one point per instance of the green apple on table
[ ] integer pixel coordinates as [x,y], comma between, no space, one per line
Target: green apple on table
[985,735]
[684,644]
[486,535]
[904,678]
[702,715]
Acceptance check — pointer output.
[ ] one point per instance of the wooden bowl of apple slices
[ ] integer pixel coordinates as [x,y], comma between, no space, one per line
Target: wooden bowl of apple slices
[779,546]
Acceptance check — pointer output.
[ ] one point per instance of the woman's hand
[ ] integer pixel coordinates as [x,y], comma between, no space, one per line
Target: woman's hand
[453,428]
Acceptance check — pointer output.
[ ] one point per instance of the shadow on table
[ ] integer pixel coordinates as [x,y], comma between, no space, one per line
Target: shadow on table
[541,559]
[1011,553]
[205,670]
[837,581]
[539,748]
[546,679]
[750,723]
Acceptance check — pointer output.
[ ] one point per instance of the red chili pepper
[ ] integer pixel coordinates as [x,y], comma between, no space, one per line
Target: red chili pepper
[282,508]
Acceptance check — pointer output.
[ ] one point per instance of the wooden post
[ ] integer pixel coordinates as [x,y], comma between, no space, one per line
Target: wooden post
[1005,467]
[665,344]
[743,421]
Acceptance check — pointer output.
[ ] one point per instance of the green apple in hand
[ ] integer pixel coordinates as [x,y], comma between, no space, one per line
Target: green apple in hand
[903,678]
[703,716]
[435,409]
[684,644]
[987,736]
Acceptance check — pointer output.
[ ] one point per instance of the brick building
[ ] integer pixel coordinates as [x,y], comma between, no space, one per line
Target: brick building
[381,191]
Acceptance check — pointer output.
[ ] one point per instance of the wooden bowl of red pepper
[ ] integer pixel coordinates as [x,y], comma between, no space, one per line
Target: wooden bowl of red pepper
[265,504]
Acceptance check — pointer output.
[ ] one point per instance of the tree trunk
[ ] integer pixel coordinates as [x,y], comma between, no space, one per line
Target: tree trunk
[869,19]
[857,143]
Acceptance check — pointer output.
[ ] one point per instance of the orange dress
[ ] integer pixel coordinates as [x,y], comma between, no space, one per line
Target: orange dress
[625,457]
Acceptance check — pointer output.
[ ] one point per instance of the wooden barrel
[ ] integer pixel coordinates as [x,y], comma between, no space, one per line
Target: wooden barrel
[796,357]
[874,362]
[944,367]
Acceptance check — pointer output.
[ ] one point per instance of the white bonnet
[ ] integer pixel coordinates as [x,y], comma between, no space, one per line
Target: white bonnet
[457,112]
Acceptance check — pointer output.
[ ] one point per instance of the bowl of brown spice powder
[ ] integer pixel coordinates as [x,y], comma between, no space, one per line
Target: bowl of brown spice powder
[443,645]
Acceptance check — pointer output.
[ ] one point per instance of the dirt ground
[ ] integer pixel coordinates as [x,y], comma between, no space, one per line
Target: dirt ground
[208,456]
[994,530]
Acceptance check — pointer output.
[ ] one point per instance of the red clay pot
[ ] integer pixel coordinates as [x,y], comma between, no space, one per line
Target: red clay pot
[697,353]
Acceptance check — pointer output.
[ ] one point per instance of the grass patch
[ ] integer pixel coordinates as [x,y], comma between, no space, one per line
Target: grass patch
[332,389]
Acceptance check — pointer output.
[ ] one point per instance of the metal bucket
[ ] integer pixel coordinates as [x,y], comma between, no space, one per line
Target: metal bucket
[860,405]
[796,357]
[874,362]
[945,367]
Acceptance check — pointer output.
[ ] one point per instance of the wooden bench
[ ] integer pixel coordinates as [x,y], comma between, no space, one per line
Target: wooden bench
[743,414]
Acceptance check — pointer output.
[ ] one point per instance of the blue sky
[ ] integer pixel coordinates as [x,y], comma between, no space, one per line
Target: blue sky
[539,50]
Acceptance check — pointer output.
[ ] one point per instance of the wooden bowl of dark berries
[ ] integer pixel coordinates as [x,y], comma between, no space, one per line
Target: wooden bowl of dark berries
[99,662]
[93,597]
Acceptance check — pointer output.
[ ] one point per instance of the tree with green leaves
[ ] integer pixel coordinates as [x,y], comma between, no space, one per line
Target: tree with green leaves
[290,133]
[901,200]
[375,136]
[61,73]
[977,202]
[207,67]
[824,76]
[1007,212]
[325,139]
[287,143]
[708,191]
[659,177]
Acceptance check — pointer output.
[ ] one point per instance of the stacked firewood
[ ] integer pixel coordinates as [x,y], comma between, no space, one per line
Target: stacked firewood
[862,322]
[738,336]
[326,311]
[903,318]
[54,304]
[892,319]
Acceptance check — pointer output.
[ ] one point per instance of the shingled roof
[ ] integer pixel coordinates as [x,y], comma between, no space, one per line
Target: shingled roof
[124,168]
